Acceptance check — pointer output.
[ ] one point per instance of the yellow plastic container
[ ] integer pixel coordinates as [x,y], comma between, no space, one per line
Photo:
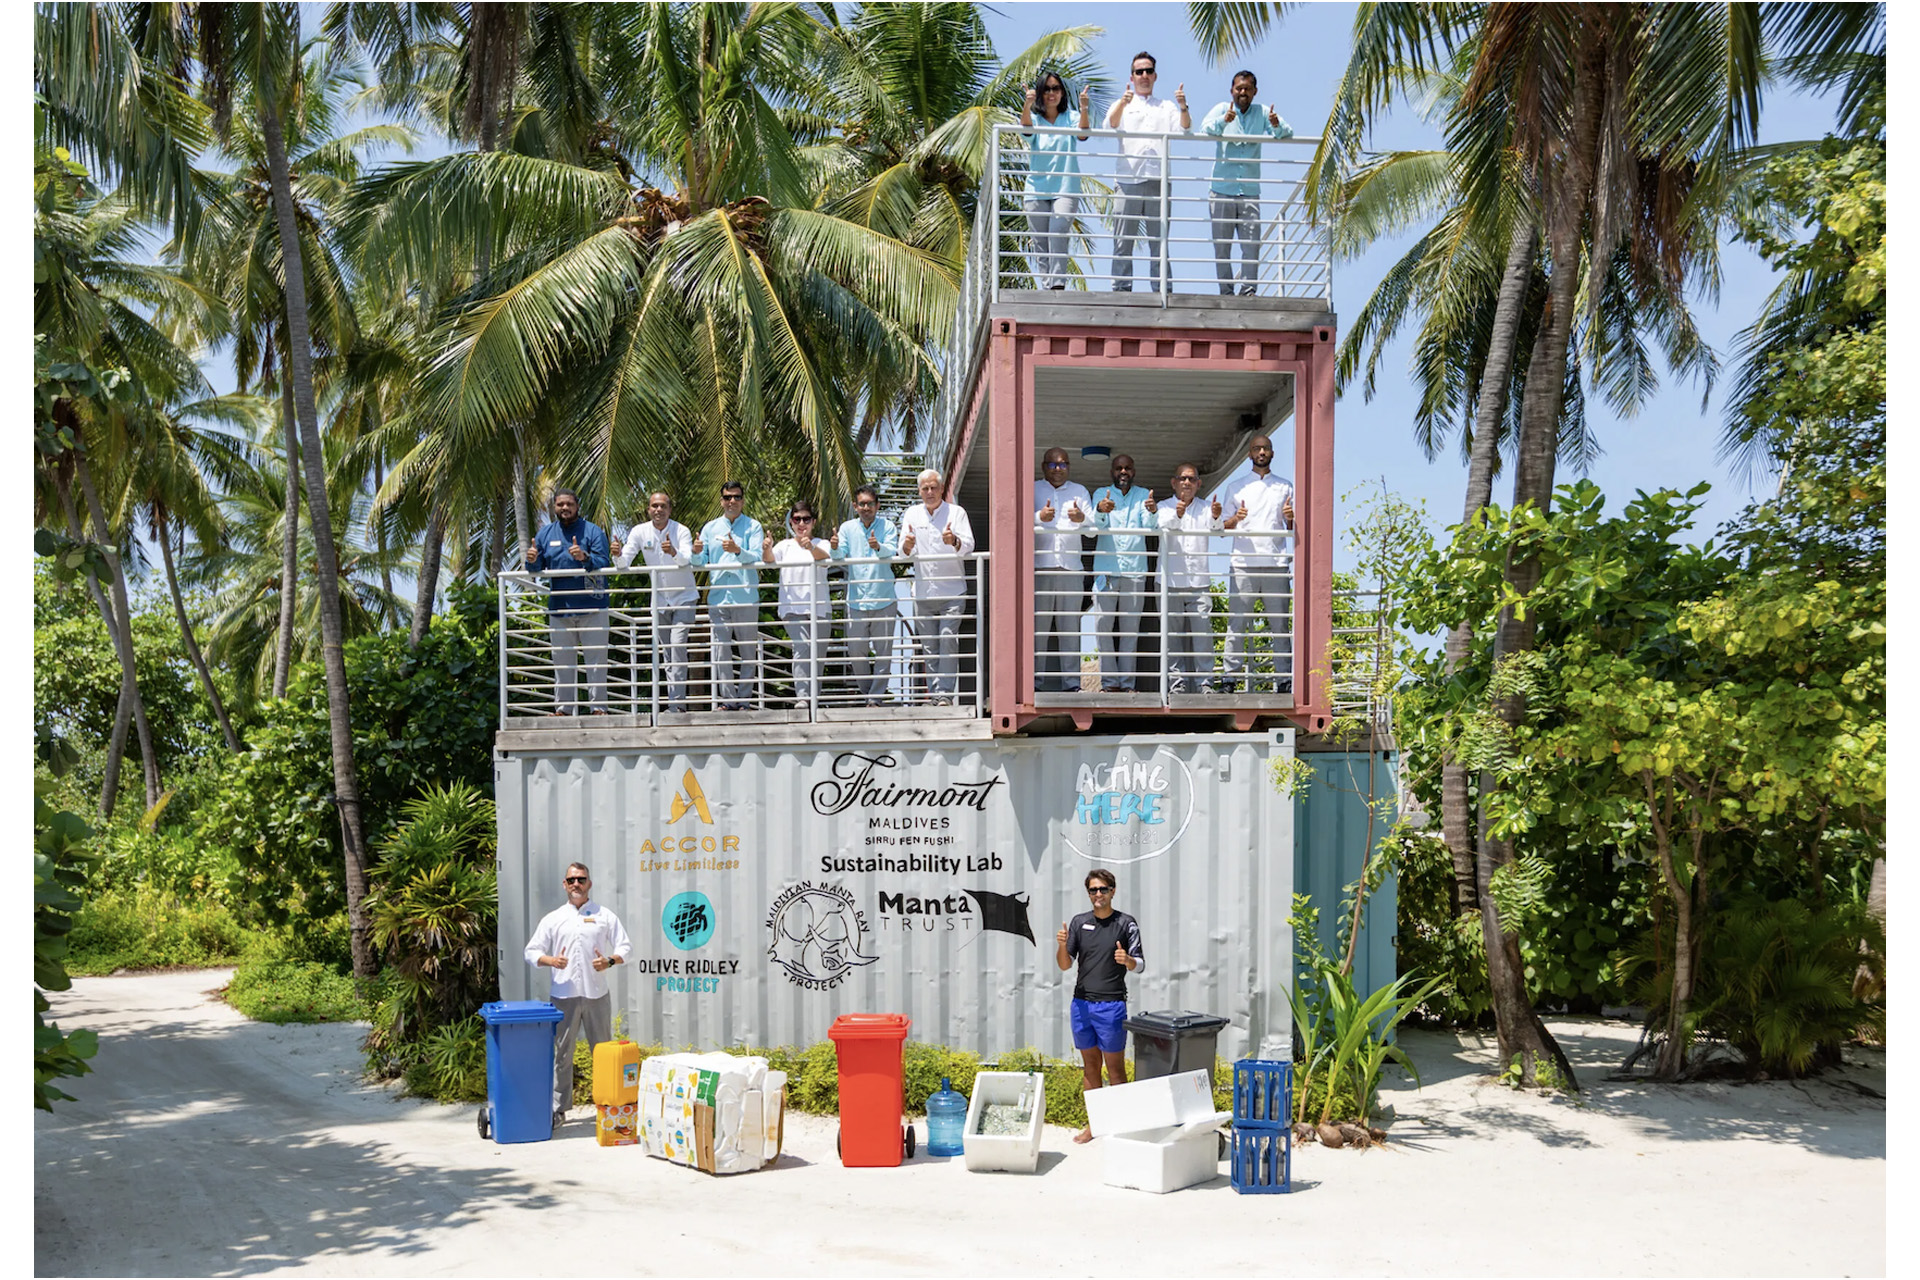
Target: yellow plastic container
[616,1072]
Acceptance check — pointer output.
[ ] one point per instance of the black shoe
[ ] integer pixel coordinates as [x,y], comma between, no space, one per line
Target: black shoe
[559,1118]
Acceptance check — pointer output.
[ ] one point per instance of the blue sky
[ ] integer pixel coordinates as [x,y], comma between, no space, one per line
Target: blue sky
[1671,443]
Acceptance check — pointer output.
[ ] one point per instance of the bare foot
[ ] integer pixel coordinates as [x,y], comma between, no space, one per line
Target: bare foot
[1085,1135]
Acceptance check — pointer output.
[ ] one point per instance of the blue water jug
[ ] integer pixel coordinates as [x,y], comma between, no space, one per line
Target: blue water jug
[946,1120]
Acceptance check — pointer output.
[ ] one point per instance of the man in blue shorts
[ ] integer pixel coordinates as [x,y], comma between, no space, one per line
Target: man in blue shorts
[1107,945]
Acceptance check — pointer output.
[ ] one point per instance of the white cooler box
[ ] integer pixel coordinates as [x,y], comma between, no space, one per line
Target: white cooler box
[1158,1135]
[712,1111]
[1013,1153]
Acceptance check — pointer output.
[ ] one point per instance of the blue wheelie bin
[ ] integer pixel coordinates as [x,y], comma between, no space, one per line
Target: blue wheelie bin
[519,1070]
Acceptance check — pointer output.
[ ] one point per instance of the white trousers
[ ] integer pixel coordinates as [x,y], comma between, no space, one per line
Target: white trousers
[569,633]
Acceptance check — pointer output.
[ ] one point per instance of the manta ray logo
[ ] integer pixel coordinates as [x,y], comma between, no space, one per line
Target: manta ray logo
[1005,912]
[817,932]
[690,798]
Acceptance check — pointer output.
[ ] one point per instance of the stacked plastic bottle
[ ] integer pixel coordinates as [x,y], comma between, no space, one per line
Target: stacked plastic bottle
[1262,1127]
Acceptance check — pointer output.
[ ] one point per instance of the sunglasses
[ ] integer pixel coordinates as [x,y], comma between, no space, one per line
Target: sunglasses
[803,519]
[1145,71]
[1098,889]
[578,880]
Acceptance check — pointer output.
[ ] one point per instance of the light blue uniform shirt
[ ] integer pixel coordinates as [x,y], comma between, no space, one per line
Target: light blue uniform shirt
[1237,164]
[869,586]
[1122,554]
[1053,159]
[732,586]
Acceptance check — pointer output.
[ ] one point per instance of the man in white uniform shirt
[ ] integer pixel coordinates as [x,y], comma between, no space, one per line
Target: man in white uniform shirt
[1184,553]
[579,942]
[664,543]
[1061,509]
[1262,570]
[1136,205]
[936,536]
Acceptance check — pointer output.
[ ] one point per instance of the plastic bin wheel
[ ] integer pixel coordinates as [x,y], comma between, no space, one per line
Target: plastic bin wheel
[907,1143]
[485,1123]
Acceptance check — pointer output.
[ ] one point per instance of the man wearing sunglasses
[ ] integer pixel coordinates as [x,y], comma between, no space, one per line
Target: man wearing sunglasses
[1106,943]
[579,942]
[1136,205]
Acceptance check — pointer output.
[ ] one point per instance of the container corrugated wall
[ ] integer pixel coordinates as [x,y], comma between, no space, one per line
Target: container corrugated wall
[1331,816]
[767,891]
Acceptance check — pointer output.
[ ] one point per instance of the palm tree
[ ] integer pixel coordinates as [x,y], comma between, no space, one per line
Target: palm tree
[89,304]
[256,49]
[660,334]
[243,567]
[166,477]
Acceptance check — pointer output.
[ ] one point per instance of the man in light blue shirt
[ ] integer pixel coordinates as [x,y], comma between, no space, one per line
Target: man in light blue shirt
[733,597]
[868,540]
[1233,195]
[1120,574]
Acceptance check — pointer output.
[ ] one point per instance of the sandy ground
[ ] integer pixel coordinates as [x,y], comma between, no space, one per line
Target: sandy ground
[206,1144]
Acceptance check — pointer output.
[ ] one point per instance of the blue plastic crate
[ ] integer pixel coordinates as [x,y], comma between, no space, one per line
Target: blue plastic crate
[1262,1160]
[1262,1094]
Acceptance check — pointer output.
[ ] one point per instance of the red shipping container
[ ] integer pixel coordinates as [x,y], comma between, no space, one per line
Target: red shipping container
[872,1088]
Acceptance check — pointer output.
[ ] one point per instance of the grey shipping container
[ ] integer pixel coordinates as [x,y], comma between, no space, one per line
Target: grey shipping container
[769,889]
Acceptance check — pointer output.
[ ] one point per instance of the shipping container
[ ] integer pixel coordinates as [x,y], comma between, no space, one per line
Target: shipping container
[769,888]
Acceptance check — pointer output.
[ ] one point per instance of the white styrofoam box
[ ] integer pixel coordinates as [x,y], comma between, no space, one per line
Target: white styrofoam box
[1160,1103]
[1013,1153]
[1166,1158]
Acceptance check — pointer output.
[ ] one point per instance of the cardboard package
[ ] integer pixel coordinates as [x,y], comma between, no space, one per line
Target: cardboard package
[712,1111]
[1158,1135]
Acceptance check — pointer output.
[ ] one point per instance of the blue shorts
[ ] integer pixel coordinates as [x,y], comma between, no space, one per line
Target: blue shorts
[1100,1023]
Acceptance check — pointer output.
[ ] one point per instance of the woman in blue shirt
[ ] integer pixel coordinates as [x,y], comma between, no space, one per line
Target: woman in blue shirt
[1053,176]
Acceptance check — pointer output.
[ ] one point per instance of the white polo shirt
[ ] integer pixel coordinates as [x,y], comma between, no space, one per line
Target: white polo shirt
[673,582]
[1264,496]
[1060,550]
[577,934]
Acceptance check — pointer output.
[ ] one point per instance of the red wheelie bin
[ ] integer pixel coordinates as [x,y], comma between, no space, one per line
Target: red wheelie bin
[872,1089]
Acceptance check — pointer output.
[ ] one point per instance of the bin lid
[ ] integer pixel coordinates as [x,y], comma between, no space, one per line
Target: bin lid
[1177,1023]
[869,1026]
[500,1011]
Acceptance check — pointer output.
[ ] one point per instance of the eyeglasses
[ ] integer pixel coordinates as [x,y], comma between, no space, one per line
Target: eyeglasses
[578,880]
[1094,891]
[1058,462]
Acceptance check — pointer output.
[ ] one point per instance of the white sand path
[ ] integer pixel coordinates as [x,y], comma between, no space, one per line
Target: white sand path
[207,1144]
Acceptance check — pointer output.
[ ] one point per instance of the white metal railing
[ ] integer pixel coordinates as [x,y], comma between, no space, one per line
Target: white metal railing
[1166,629]
[614,642]
[1262,245]
[1360,663]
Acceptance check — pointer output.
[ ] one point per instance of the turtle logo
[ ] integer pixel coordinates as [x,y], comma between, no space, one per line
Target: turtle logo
[817,931]
[688,920]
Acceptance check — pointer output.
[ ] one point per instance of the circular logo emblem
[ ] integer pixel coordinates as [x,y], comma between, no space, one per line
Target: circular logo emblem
[688,920]
[1131,807]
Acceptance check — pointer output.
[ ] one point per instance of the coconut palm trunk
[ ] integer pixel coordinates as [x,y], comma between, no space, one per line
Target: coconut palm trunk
[1456,810]
[120,623]
[429,579]
[123,708]
[1520,1030]
[289,545]
[165,538]
[299,362]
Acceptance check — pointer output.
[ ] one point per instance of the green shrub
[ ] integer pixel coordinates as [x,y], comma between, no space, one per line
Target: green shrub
[148,928]
[294,991]
[1776,982]
[169,860]
[420,717]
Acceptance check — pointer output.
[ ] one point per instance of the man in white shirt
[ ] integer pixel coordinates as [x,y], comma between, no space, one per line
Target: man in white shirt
[1060,512]
[1136,204]
[1183,557]
[665,544]
[579,942]
[936,536]
[1262,571]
